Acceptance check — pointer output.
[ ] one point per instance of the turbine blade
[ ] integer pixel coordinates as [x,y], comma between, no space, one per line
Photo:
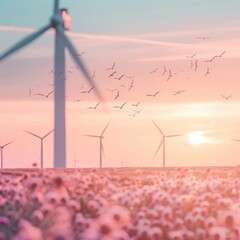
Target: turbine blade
[25,41]
[157,149]
[91,136]
[78,60]
[33,134]
[236,140]
[178,135]
[157,127]
[56,7]
[47,134]
[105,128]
[6,144]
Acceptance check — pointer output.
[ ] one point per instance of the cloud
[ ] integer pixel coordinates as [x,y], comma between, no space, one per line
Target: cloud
[109,38]
[119,38]
[177,50]
[16,29]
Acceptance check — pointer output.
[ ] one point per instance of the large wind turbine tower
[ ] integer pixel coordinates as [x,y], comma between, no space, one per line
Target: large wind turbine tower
[60,21]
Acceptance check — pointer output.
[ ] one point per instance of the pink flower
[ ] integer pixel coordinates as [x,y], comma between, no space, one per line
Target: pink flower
[120,215]
[156,233]
[176,235]
[27,231]
[4,220]
[218,233]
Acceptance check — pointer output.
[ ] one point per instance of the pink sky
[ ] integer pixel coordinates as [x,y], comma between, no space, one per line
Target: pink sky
[128,139]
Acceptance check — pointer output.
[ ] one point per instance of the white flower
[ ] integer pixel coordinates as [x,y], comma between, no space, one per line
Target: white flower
[218,233]
[210,222]
[27,231]
[46,209]
[80,219]
[37,216]
[201,234]
[73,205]
[155,233]
[176,235]
[52,197]
[120,215]
[226,218]
[119,234]
[37,197]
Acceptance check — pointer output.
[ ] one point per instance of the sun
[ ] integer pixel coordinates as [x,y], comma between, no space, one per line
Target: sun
[196,138]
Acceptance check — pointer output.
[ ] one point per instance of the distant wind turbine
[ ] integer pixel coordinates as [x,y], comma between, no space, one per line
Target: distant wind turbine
[60,21]
[163,142]
[1,148]
[41,138]
[101,144]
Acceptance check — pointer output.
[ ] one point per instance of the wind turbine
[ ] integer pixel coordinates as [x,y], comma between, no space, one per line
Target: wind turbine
[101,145]
[41,138]
[1,148]
[60,21]
[163,143]
[235,140]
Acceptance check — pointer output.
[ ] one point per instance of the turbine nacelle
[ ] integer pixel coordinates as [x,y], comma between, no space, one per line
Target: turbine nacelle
[66,18]
[63,19]
[56,20]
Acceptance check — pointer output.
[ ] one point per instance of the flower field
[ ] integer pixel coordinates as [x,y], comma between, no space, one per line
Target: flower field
[120,204]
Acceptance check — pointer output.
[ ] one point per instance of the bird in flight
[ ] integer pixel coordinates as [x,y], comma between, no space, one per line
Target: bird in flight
[77,100]
[137,111]
[169,74]
[153,95]
[210,60]
[178,92]
[191,66]
[203,38]
[120,107]
[112,90]
[122,85]
[53,72]
[117,96]
[164,70]
[132,115]
[135,105]
[154,70]
[196,65]
[88,90]
[80,54]
[216,56]
[74,67]
[61,73]
[221,54]
[130,77]
[111,75]
[29,92]
[95,107]
[43,95]
[192,56]
[119,78]
[111,68]
[82,86]
[94,75]
[226,97]
[131,86]
[207,72]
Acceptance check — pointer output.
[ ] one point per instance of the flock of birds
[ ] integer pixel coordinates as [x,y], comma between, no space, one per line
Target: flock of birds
[179,204]
[112,73]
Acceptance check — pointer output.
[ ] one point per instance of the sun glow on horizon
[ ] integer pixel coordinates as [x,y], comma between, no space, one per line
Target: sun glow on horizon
[196,138]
